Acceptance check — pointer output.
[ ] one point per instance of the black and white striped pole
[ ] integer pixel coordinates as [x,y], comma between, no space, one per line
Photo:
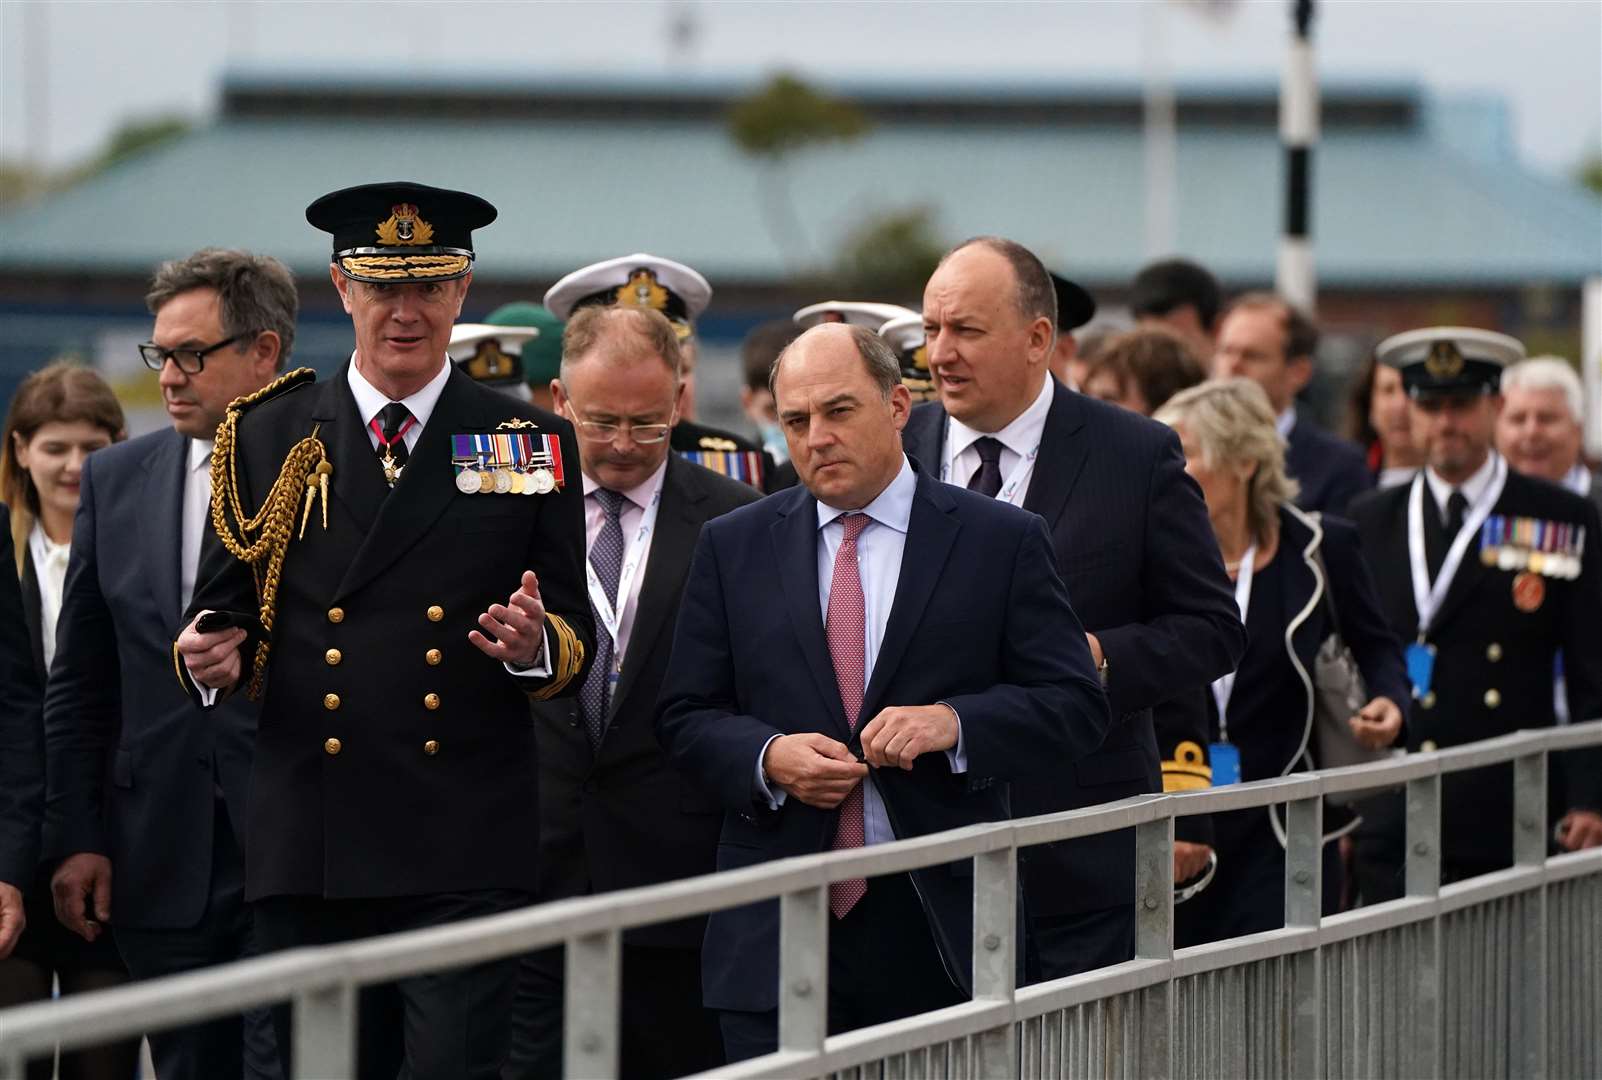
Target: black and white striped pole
[1298,132]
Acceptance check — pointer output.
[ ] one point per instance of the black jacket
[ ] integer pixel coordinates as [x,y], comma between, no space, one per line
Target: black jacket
[621,816]
[22,766]
[393,758]
[1331,471]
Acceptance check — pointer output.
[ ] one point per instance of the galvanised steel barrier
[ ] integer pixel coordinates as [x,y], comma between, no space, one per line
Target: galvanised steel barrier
[1500,975]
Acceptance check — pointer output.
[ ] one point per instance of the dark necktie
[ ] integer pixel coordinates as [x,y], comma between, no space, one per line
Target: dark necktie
[846,626]
[606,556]
[1435,546]
[986,480]
[1456,507]
[391,425]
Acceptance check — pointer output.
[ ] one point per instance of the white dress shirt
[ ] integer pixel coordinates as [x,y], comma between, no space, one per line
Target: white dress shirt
[1472,488]
[1396,475]
[50,566]
[879,550]
[636,501]
[1019,441]
[370,401]
[1285,423]
[1578,479]
[197,507]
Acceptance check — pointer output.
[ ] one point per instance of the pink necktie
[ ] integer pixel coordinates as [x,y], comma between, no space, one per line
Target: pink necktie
[846,626]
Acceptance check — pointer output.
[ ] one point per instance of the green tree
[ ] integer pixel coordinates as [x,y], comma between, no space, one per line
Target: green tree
[891,255]
[782,119]
[1589,173]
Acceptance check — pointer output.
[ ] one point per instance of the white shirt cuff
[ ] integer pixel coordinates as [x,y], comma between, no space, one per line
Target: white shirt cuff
[208,696]
[775,799]
[957,756]
[541,667]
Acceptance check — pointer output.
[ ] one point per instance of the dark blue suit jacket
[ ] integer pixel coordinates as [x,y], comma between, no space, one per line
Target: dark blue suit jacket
[1331,471]
[1136,549]
[21,745]
[133,764]
[980,620]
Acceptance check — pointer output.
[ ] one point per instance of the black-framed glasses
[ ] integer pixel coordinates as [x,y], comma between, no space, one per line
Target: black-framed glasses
[189,361]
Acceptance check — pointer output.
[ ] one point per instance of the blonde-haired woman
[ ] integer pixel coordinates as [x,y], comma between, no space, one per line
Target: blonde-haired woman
[1298,578]
[59,415]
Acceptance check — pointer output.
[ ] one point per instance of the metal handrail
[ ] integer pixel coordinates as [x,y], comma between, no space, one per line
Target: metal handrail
[322,981]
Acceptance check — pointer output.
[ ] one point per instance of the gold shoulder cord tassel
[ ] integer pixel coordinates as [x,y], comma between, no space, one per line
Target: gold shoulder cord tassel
[262,540]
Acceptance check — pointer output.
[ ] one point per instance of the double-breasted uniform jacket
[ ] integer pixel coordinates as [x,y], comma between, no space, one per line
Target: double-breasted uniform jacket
[1494,657]
[393,757]
[621,815]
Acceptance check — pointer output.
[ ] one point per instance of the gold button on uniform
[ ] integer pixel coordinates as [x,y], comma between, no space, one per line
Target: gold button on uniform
[336,614]
[330,702]
[431,747]
[333,656]
[435,613]
[430,701]
[1493,698]
[432,656]
[1493,652]
[331,746]
[1428,700]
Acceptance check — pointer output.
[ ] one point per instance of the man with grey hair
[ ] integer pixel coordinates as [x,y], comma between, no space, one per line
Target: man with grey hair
[147,803]
[613,813]
[939,659]
[1131,538]
[1540,429]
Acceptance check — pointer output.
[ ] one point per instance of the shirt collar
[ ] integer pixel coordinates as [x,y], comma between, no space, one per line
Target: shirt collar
[1020,436]
[370,402]
[640,495]
[1578,479]
[1285,421]
[1472,488]
[199,454]
[45,548]
[893,507]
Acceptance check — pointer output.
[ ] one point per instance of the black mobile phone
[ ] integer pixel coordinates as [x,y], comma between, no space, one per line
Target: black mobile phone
[212,621]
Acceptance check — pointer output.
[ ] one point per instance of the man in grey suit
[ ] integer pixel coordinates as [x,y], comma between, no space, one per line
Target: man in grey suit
[146,802]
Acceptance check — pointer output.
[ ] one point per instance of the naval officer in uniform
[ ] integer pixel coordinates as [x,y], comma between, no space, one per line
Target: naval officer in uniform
[1486,574]
[400,568]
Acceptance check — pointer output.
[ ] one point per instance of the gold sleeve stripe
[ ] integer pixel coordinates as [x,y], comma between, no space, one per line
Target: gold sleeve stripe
[178,670]
[1188,770]
[567,661]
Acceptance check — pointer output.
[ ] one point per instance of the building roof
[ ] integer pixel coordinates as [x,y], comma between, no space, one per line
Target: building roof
[583,168]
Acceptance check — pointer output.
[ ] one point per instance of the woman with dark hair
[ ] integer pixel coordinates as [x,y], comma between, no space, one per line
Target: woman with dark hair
[1141,369]
[1299,580]
[58,417]
[1380,420]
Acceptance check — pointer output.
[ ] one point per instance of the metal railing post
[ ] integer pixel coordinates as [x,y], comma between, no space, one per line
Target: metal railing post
[591,1001]
[1304,906]
[995,954]
[804,969]
[1154,940]
[1528,1052]
[1423,861]
[325,1031]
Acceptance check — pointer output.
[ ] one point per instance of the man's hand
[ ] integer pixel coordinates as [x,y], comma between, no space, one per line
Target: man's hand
[1189,860]
[813,768]
[212,659]
[516,629]
[1580,829]
[12,918]
[79,880]
[1096,655]
[1377,724]
[899,734]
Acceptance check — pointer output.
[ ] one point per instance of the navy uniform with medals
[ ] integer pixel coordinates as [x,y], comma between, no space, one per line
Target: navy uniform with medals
[680,293]
[394,782]
[1503,568]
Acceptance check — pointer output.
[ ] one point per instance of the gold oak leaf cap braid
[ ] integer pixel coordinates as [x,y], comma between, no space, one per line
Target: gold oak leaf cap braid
[262,539]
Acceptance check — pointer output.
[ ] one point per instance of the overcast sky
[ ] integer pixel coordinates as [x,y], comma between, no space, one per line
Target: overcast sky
[88,66]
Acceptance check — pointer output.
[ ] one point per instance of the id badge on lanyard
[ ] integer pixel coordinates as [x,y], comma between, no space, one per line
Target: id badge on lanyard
[1224,756]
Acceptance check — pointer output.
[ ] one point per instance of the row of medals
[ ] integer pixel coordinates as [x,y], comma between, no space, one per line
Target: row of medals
[539,481]
[1553,564]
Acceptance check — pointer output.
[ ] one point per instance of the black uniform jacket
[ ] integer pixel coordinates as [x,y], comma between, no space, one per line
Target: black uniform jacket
[1330,470]
[22,767]
[621,816]
[1494,661]
[1133,543]
[393,757]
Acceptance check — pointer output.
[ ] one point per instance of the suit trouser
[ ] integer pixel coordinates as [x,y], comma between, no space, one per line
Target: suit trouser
[666,1032]
[1064,945]
[449,1025]
[1247,893]
[883,965]
[232,1046]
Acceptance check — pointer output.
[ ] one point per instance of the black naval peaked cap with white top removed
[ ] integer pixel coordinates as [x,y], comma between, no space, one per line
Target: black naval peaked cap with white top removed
[400,231]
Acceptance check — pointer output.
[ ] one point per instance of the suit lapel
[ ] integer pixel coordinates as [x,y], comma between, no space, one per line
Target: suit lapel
[161,516]
[425,489]
[678,524]
[32,608]
[924,438]
[795,551]
[1063,452]
[931,531]
[357,482]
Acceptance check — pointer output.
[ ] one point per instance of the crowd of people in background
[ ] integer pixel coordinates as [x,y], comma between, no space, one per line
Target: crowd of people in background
[975,559]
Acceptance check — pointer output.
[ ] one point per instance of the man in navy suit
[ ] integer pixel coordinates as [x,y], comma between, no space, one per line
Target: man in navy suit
[21,751]
[1131,538]
[147,794]
[1270,342]
[918,653]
